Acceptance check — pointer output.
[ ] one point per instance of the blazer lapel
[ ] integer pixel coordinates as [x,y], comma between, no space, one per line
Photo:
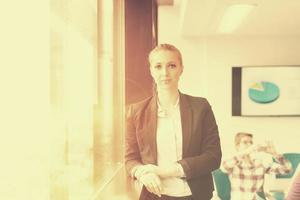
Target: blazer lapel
[186,123]
[151,123]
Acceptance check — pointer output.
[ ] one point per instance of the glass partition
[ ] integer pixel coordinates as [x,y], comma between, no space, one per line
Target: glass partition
[86,96]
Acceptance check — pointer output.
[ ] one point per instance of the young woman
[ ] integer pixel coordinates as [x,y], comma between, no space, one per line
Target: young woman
[294,189]
[172,141]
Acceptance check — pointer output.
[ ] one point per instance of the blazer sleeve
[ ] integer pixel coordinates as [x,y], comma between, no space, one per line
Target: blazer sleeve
[132,153]
[210,155]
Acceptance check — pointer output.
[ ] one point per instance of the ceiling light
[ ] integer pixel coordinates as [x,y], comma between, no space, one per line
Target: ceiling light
[233,16]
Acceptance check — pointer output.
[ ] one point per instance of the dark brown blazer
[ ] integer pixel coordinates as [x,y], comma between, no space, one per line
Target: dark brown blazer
[201,152]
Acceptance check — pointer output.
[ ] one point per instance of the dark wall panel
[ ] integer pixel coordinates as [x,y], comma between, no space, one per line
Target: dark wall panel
[140,38]
[236,91]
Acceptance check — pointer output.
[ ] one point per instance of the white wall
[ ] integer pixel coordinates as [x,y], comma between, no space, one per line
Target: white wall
[207,73]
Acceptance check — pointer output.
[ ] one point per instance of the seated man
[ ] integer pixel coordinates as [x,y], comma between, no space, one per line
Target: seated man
[294,189]
[246,172]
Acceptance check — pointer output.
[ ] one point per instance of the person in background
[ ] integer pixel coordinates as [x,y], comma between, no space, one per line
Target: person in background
[294,189]
[246,172]
[172,142]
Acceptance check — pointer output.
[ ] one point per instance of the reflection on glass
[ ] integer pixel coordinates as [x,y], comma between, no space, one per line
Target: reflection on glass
[73,59]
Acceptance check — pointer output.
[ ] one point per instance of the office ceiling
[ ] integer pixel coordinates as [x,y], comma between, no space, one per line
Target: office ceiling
[268,18]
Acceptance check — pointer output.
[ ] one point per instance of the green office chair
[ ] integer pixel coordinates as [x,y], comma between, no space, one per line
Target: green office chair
[222,183]
[294,158]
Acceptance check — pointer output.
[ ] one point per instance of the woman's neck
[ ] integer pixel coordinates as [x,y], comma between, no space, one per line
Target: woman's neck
[167,98]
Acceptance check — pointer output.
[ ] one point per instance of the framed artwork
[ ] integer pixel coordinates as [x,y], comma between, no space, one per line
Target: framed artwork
[266,91]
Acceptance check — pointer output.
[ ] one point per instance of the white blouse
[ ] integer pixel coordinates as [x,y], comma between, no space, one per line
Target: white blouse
[169,148]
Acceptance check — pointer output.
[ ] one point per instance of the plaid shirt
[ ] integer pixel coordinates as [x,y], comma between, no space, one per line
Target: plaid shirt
[248,178]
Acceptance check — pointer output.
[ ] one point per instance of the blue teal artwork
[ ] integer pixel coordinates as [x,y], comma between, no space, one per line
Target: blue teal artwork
[263,92]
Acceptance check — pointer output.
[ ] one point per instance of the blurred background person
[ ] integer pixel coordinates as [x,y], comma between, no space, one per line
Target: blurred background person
[294,190]
[246,171]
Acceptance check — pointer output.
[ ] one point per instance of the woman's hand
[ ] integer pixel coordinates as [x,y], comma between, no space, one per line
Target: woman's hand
[152,182]
[163,171]
[170,170]
[144,169]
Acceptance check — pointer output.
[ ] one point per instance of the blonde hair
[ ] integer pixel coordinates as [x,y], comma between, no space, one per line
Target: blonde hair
[165,47]
[239,136]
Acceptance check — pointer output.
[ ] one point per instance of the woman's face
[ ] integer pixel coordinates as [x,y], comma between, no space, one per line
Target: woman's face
[165,68]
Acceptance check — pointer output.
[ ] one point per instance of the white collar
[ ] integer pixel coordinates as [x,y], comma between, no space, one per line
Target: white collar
[164,113]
